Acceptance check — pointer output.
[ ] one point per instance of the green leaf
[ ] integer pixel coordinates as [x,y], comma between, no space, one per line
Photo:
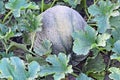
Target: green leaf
[9,34]
[17,30]
[3,29]
[59,66]
[33,69]
[116,33]
[16,12]
[3,54]
[44,48]
[95,65]
[39,59]
[110,43]
[72,3]
[84,40]
[83,77]
[95,52]
[97,76]
[115,73]
[102,39]
[116,37]
[102,13]
[33,22]
[33,5]
[17,5]
[29,22]
[116,49]
[13,45]
[14,69]
[2,8]
[115,22]
[6,33]
[118,0]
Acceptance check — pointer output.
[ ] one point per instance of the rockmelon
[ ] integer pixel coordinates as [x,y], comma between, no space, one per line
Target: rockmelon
[59,22]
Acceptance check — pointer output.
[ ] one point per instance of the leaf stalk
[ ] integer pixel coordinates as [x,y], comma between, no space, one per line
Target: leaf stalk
[7,15]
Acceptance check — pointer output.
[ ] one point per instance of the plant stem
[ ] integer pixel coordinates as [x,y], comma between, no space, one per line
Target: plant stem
[32,40]
[8,49]
[53,3]
[95,1]
[85,6]
[75,75]
[42,6]
[7,15]
[92,24]
[100,49]
[89,18]
[108,65]
[5,46]
[21,46]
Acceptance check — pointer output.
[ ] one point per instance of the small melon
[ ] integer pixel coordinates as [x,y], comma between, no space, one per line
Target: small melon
[59,22]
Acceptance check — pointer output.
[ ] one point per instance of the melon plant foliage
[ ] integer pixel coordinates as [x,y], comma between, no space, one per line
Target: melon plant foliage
[115,73]
[83,77]
[84,40]
[102,12]
[97,45]
[15,69]
[16,5]
[59,66]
